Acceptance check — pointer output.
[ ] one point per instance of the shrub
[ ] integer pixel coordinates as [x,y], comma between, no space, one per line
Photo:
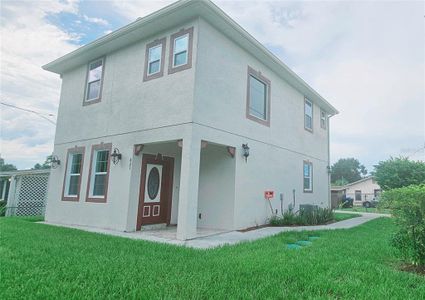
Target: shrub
[315,216]
[408,204]
[2,208]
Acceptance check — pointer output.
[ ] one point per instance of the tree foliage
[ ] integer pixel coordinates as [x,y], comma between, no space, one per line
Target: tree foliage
[408,206]
[45,165]
[6,167]
[399,172]
[347,170]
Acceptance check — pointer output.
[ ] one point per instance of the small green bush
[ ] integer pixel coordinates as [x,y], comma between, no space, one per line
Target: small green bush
[2,208]
[408,204]
[316,216]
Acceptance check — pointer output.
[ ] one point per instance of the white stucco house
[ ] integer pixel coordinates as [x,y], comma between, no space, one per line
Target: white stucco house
[361,191]
[183,118]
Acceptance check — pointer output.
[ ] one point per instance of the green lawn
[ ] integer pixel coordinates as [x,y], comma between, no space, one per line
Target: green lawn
[364,209]
[44,262]
[344,216]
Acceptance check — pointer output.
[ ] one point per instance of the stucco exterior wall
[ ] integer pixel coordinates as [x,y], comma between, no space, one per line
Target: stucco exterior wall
[216,196]
[278,151]
[128,103]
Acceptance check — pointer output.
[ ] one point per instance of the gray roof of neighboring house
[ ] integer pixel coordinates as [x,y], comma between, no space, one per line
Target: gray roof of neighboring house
[340,188]
[173,15]
[24,172]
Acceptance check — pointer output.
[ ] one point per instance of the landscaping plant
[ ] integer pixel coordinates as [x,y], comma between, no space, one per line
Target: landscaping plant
[314,216]
[408,204]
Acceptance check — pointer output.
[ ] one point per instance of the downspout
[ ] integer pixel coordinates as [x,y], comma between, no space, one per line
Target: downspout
[329,163]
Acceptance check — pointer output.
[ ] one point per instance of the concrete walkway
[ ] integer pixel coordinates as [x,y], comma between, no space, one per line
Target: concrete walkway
[216,239]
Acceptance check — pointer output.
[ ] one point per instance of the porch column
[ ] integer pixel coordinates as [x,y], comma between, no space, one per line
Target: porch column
[189,184]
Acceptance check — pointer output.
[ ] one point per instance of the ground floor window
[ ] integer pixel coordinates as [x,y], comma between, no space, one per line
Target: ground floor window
[99,175]
[358,195]
[308,176]
[73,171]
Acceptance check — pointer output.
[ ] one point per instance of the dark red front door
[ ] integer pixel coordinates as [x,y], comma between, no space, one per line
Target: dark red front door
[156,185]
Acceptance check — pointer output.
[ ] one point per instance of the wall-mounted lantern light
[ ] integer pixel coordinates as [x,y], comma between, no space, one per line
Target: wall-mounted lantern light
[116,156]
[329,169]
[245,149]
[54,161]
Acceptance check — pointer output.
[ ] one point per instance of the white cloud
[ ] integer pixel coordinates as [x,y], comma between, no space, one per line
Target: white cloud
[27,42]
[97,21]
[137,8]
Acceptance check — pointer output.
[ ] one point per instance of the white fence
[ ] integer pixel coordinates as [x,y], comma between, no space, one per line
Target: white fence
[27,192]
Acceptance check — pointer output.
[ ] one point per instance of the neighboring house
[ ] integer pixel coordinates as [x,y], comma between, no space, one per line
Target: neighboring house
[182,117]
[25,192]
[363,190]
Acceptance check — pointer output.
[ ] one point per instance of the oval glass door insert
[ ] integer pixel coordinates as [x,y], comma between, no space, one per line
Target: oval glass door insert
[153,183]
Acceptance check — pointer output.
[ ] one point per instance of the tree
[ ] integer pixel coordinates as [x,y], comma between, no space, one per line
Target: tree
[347,170]
[6,167]
[45,165]
[399,172]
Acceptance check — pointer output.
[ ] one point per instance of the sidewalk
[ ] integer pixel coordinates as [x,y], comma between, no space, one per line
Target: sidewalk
[227,238]
[235,237]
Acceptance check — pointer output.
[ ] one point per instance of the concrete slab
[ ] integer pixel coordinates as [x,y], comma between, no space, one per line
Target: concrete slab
[210,238]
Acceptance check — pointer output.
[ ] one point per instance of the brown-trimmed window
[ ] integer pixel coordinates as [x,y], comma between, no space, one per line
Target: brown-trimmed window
[94,82]
[308,115]
[73,173]
[97,187]
[323,119]
[258,97]
[181,44]
[154,59]
[308,177]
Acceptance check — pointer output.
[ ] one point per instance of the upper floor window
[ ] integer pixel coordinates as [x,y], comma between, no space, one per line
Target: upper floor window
[154,60]
[94,81]
[74,168]
[308,176]
[181,50]
[323,119]
[181,45]
[154,65]
[99,175]
[258,97]
[308,115]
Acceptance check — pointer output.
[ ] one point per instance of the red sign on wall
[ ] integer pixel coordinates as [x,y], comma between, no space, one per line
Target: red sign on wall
[268,195]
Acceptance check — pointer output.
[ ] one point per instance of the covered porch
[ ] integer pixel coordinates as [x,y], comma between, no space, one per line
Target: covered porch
[182,189]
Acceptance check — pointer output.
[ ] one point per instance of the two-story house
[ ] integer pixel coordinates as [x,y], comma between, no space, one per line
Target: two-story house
[183,118]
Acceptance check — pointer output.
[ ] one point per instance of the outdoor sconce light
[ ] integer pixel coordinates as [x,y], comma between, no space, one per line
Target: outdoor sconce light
[329,169]
[54,161]
[116,156]
[245,151]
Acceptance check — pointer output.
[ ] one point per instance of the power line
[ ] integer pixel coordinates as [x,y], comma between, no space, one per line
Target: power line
[41,115]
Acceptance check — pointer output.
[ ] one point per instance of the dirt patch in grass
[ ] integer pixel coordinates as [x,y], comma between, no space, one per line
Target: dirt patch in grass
[420,270]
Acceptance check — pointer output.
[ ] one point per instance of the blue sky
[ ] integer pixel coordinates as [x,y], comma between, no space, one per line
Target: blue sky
[366,58]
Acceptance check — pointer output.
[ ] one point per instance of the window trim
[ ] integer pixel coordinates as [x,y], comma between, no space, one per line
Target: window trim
[188,65]
[98,99]
[305,114]
[157,42]
[325,118]
[97,199]
[75,150]
[257,75]
[306,162]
